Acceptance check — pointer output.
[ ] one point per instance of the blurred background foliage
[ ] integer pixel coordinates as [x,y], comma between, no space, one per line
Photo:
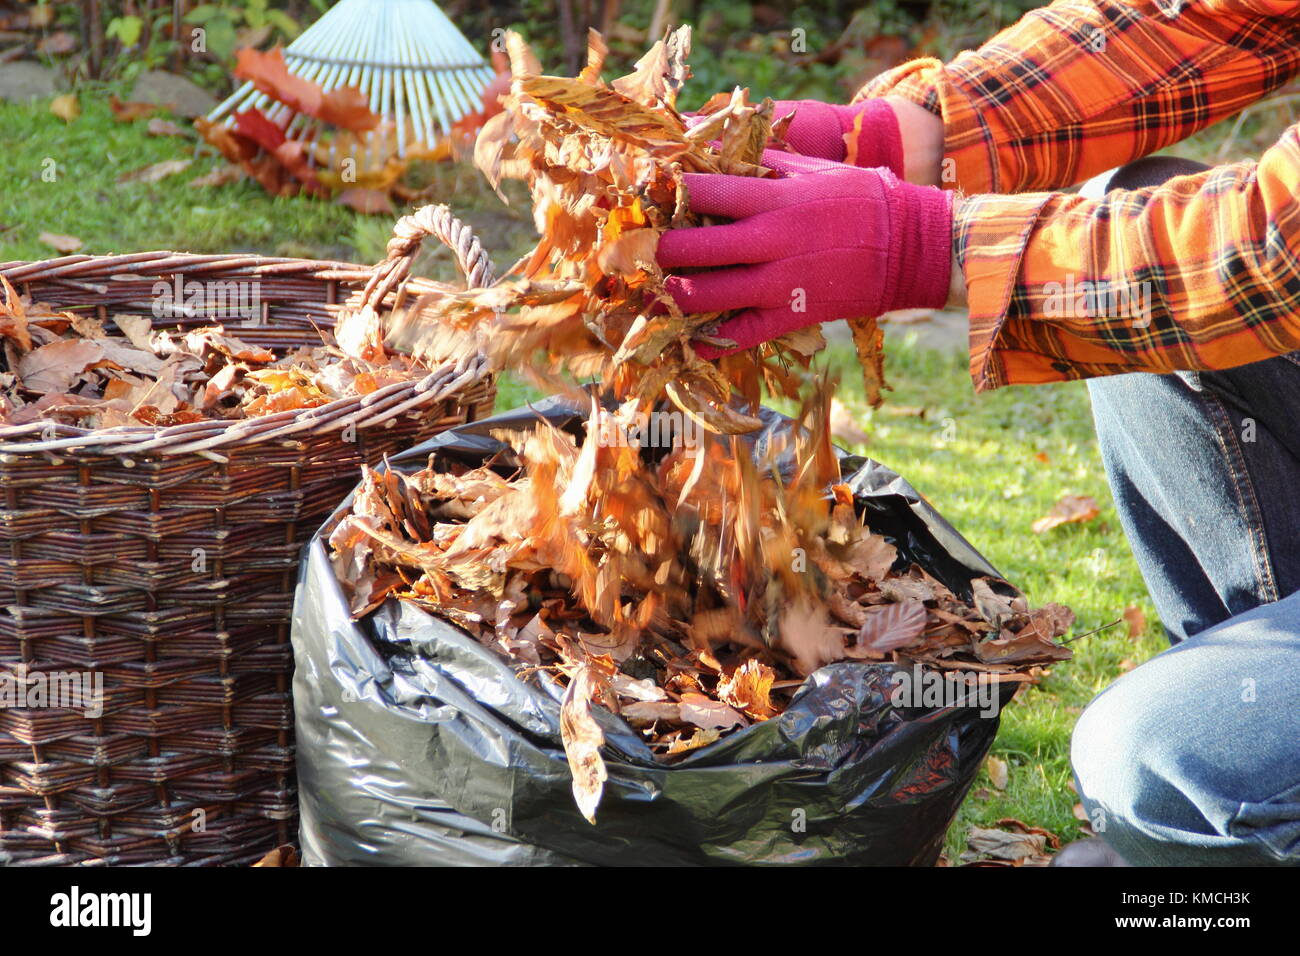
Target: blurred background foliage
[840,44]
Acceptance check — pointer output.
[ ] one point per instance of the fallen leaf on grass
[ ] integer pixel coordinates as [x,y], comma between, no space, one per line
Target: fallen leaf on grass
[155,172]
[998,772]
[66,107]
[904,411]
[1136,620]
[60,242]
[162,127]
[369,202]
[59,43]
[1020,848]
[1011,843]
[129,112]
[1072,509]
[220,176]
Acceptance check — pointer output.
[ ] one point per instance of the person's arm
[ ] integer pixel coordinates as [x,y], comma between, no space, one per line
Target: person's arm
[1082,86]
[1201,272]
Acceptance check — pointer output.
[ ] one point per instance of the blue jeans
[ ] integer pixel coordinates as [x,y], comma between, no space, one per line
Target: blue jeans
[1193,758]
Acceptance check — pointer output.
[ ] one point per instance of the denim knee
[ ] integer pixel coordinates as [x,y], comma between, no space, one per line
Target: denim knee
[1174,769]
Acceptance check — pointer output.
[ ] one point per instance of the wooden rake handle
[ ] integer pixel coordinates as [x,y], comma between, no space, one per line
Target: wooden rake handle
[410,231]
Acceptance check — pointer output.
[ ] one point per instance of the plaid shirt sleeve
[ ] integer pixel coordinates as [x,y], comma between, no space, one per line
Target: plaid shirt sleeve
[1201,272]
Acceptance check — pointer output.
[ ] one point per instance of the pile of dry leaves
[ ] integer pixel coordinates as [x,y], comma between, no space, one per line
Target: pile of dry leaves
[680,584]
[689,594]
[74,369]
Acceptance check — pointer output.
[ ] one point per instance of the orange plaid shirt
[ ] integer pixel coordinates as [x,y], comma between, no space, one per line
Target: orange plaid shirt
[1202,272]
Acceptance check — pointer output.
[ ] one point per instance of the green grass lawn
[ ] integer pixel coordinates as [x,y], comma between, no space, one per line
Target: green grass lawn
[991,463]
[86,200]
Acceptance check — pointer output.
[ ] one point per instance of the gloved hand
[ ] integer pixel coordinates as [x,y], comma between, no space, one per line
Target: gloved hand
[826,241]
[864,134]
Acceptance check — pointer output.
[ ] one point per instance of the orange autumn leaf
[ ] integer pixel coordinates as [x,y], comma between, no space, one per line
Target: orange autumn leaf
[1136,620]
[345,106]
[285,400]
[1071,509]
[749,689]
[369,202]
[127,112]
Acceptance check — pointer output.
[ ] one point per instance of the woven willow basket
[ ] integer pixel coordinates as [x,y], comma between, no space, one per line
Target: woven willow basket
[164,559]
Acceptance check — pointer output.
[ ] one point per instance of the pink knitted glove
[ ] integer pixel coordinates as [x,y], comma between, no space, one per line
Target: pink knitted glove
[864,134]
[826,241]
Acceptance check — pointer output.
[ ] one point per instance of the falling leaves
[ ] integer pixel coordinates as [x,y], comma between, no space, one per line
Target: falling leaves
[603,163]
[844,425]
[684,585]
[1071,509]
[869,342]
[998,773]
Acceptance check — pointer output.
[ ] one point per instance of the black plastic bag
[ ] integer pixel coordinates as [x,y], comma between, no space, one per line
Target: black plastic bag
[417,745]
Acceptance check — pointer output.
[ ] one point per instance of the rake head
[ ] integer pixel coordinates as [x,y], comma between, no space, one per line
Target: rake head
[417,70]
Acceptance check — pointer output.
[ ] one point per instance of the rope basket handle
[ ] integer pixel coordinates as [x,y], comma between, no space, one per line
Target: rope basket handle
[408,233]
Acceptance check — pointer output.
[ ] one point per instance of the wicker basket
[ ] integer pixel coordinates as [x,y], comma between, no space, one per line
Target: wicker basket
[164,559]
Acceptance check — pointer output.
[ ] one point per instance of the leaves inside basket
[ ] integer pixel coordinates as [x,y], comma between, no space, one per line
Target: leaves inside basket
[71,368]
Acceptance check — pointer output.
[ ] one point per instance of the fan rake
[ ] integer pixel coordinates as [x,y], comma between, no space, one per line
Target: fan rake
[416,69]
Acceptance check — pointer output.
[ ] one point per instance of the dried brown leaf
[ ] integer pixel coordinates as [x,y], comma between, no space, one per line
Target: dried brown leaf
[1071,509]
